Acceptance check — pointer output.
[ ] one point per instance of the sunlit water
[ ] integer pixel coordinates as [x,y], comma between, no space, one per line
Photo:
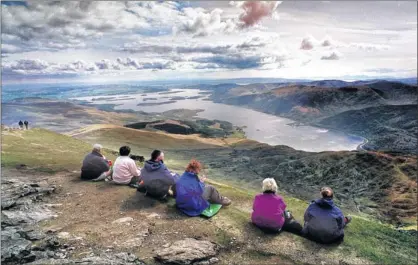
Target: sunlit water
[259,126]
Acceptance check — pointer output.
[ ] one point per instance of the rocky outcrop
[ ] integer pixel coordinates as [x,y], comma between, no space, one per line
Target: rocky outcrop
[104,258]
[23,242]
[20,210]
[187,251]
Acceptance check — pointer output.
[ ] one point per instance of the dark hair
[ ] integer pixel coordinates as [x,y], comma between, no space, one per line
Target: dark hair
[327,193]
[124,150]
[155,154]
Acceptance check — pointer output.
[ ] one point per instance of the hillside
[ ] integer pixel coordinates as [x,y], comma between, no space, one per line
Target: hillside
[60,116]
[203,127]
[389,128]
[87,214]
[310,103]
[375,184]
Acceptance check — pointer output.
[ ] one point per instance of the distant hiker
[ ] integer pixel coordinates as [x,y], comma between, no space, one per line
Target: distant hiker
[125,170]
[324,222]
[156,179]
[26,124]
[193,195]
[94,164]
[21,125]
[269,211]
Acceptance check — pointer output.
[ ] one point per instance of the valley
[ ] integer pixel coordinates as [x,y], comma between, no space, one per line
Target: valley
[302,135]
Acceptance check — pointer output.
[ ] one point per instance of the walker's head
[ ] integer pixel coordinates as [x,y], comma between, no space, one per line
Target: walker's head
[194,166]
[327,193]
[157,156]
[124,150]
[97,148]
[269,185]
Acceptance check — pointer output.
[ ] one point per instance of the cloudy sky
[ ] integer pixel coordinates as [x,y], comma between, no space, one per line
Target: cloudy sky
[109,41]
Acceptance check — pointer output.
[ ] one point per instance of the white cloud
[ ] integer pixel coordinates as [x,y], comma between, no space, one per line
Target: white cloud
[334,55]
[369,46]
[308,43]
[9,48]
[31,67]
[200,22]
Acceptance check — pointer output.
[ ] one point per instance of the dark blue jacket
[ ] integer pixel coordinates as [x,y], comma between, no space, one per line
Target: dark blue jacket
[324,222]
[157,178]
[189,190]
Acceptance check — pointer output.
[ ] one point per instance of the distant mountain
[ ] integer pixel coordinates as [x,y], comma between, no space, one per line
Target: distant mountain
[314,101]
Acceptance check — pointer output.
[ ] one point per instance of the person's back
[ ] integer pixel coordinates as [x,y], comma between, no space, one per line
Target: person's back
[268,211]
[189,191]
[156,176]
[94,164]
[324,222]
[124,168]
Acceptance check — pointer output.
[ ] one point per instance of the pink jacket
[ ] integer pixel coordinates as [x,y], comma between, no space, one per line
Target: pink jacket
[268,211]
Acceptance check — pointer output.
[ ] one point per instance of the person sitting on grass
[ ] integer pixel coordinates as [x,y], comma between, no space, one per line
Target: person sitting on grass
[269,211]
[193,195]
[324,222]
[156,179]
[94,164]
[125,170]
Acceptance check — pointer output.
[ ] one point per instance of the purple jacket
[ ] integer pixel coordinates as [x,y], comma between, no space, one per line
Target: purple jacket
[268,211]
[157,178]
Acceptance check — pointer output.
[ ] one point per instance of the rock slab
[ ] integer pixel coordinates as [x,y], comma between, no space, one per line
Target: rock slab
[187,251]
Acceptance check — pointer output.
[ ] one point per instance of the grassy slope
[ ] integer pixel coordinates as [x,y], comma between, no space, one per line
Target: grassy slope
[50,152]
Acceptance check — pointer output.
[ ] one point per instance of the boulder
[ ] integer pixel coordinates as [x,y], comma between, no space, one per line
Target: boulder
[186,251]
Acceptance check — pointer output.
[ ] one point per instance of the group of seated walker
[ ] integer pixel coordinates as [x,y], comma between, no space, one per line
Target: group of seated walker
[323,221]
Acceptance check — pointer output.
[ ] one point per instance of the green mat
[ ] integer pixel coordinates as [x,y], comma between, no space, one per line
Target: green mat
[211,210]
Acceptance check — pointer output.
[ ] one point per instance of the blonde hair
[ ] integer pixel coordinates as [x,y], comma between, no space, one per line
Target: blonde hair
[269,184]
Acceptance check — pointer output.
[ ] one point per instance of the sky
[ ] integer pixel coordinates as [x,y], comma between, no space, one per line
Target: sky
[107,41]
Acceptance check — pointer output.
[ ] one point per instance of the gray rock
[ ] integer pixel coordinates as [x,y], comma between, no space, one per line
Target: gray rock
[207,262]
[7,203]
[40,254]
[186,251]
[34,235]
[14,248]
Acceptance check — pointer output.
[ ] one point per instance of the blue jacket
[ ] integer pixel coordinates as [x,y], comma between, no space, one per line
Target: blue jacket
[189,191]
[324,222]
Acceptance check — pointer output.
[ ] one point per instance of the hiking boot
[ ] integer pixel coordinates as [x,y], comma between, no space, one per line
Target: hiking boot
[226,201]
[347,220]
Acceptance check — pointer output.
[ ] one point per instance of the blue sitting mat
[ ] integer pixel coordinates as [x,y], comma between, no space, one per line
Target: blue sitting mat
[211,210]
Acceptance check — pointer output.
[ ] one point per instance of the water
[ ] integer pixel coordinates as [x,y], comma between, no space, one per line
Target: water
[259,126]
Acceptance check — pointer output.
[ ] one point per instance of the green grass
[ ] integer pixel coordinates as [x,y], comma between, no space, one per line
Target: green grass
[46,151]
[379,243]
[49,152]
